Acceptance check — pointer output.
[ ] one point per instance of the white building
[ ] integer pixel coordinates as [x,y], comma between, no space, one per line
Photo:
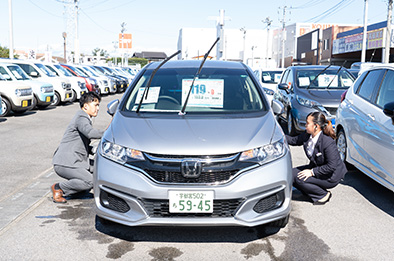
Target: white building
[247,45]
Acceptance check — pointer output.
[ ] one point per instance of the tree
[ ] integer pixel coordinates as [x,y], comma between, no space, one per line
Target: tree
[99,51]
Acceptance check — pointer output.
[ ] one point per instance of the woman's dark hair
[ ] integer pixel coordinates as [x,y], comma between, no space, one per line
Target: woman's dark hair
[325,125]
[88,97]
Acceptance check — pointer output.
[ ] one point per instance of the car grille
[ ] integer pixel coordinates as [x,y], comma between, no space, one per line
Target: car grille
[214,170]
[221,208]
[113,202]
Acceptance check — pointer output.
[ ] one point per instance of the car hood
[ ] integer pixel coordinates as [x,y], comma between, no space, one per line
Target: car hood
[326,97]
[192,136]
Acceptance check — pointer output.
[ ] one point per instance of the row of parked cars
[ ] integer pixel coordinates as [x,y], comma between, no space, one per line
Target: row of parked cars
[359,102]
[28,84]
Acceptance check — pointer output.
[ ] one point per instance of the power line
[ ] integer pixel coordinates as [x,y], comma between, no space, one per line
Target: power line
[44,9]
[330,11]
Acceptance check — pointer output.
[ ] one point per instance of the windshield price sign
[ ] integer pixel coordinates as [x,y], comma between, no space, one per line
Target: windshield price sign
[191,201]
[153,95]
[204,93]
[326,79]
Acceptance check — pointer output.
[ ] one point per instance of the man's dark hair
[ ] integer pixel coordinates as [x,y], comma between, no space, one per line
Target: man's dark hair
[89,97]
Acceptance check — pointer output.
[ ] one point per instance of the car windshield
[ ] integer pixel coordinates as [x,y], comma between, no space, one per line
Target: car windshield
[45,70]
[270,76]
[18,73]
[216,90]
[63,70]
[90,71]
[330,78]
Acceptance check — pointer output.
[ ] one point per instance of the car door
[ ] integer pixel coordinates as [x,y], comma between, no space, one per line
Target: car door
[360,125]
[284,96]
[379,141]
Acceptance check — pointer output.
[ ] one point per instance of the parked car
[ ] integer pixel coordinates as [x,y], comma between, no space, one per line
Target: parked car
[77,84]
[15,96]
[122,81]
[43,91]
[38,71]
[269,79]
[112,80]
[102,81]
[305,89]
[219,160]
[365,125]
[91,84]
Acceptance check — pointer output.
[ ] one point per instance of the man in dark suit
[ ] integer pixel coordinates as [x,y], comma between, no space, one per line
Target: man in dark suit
[71,159]
[325,169]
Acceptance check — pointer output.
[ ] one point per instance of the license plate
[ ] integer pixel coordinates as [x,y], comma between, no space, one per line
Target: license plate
[68,95]
[121,86]
[191,201]
[25,103]
[107,89]
[48,99]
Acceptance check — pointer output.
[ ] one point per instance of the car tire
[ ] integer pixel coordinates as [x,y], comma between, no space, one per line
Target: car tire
[6,106]
[56,99]
[281,223]
[34,102]
[342,145]
[290,124]
[74,97]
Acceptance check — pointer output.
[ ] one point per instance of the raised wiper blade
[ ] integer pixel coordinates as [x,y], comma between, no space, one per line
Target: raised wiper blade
[146,90]
[340,68]
[182,112]
[318,76]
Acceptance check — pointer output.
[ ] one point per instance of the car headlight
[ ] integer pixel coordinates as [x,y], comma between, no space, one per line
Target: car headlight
[265,153]
[268,91]
[119,153]
[64,85]
[46,89]
[23,92]
[307,102]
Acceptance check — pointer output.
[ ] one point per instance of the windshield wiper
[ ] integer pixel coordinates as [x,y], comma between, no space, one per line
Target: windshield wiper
[182,112]
[340,68]
[146,90]
[318,76]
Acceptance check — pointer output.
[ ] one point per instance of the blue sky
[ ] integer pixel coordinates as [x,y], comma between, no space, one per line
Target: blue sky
[155,24]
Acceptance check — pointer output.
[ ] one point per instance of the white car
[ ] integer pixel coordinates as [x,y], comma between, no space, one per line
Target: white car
[16,96]
[77,84]
[38,71]
[269,79]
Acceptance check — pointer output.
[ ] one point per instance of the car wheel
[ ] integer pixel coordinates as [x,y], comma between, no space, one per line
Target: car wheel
[342,145]
[56,99]
[6,107]
[281,223]
[290,124]
[34,103]
[74,98]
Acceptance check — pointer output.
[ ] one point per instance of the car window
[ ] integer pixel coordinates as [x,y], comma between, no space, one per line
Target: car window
[367,87]
[330,78]
[215,91]
[52,70]
[28,68]
[63,70]
[45,70]
[270,76]
[284,77]
[386,92]
[5,75]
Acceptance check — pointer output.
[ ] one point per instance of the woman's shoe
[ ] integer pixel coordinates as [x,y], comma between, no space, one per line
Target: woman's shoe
[323,202]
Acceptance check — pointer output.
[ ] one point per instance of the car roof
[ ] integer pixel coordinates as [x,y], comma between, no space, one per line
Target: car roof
[197,63]
[314,67]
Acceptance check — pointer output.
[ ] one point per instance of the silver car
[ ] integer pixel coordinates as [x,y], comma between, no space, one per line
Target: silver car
[365,125]
[204,151]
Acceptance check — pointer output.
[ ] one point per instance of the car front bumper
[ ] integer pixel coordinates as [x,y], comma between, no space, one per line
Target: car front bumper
[128,196]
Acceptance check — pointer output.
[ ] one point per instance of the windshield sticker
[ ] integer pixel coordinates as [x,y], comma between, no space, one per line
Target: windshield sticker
[267,78]
[304,81]
[347,82]
[153,95]
[326,79]
[204,93]
[277,77]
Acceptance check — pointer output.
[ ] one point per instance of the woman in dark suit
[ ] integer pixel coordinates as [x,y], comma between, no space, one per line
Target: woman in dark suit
[325,169]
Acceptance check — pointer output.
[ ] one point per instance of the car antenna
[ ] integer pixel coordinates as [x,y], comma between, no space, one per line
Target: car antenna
[340,68]
[182,112]
[318,75]
[146,90]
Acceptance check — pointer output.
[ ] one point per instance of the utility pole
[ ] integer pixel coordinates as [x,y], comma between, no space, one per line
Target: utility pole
[388,33]
[77,53]
[364,46]
[64,46]
[243,52]
[269,22]
[283,21]
[122,30]
[11,30]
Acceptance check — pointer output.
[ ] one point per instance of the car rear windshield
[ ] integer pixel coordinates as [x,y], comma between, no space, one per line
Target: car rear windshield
[216,90]
[330,78]
[270,76]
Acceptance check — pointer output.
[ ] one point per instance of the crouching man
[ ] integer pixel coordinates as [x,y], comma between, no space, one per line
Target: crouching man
[71,159]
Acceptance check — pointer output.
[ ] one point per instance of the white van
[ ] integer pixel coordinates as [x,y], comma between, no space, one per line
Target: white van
[77,84]
[43,91]
[15,96]
[38,71]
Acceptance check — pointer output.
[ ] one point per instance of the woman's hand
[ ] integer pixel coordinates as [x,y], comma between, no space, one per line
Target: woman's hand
[305,174]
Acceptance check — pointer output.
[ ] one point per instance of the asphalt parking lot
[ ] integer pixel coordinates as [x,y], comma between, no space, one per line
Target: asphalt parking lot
[357,224]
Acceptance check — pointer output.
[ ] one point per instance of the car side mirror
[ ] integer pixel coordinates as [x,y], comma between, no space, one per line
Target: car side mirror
[112,107]
[277,107]
[284,86]
[388,110]
[33,74]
